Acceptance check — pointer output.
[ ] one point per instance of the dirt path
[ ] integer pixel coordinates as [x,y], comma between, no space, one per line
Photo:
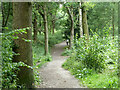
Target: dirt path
[53,75]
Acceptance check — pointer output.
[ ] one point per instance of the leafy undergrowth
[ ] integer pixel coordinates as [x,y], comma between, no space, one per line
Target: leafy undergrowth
[10,69]
[107,79]
[67,52]
[38,48]
[94,63]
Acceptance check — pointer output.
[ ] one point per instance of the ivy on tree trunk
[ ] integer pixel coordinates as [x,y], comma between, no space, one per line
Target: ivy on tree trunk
[22,18]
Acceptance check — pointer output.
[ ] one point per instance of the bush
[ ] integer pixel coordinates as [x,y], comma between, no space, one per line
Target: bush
[90,53]
[67,52]
[96,53]
[93,58]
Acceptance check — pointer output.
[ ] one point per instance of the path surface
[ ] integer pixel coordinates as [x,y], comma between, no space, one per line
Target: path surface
[53,75]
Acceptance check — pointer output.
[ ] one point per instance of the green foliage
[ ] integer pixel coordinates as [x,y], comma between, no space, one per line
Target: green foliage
[108,79]
[90,61]
[38,47]
[52,39]
[88,5]
[56,38]
[101,14]
[67,52]
[90,53]
[38,55]
[10,68]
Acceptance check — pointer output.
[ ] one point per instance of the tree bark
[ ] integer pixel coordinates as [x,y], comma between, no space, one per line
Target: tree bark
[80,20]
[50,28]
[45,30]
[7,16]
[70,13]
[4,22]
[35,28]
[84,22]
[40,24]
[113,22]
[53,23]
[22,18]
[3,16]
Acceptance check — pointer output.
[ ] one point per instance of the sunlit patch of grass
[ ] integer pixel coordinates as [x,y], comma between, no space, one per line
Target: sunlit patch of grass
[106,79]
[89,78]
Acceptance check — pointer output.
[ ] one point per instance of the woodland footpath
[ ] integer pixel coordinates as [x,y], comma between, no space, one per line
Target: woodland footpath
[33,45]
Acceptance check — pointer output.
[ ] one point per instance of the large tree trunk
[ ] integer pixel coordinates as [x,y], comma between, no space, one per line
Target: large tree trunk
[22,18]
[70,12]
[35,28]
[46,30]
[84,22]
[80,20]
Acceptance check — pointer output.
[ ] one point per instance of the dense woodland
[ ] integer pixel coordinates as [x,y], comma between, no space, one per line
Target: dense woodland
[31,29]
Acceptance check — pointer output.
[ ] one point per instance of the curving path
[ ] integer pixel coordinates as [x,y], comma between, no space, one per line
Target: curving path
[53,75]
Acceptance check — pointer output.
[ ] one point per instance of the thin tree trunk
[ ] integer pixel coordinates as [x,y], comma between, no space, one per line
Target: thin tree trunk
[72,33]
[84,22]
[35,28]
[50,28]
[4,22]
[70,13]
[113,22]
[80,20]
[7,16]
[22,18]
[40,24]
[3,16]
[46,30]
[53,23]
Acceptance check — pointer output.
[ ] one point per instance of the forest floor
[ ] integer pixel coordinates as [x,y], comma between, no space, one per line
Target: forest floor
[52,73]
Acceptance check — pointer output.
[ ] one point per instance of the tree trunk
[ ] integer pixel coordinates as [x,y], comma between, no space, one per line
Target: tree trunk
[84,22]
[35,28]
[80,20]
[22,18]
[50,28]
[71,33]
[46,30]
[40,24]
[7,15]
[4,22]
[3,16]
[113,22]
[53,23]
[70,13]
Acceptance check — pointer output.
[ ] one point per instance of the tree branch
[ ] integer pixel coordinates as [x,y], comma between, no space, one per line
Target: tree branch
[69,13]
